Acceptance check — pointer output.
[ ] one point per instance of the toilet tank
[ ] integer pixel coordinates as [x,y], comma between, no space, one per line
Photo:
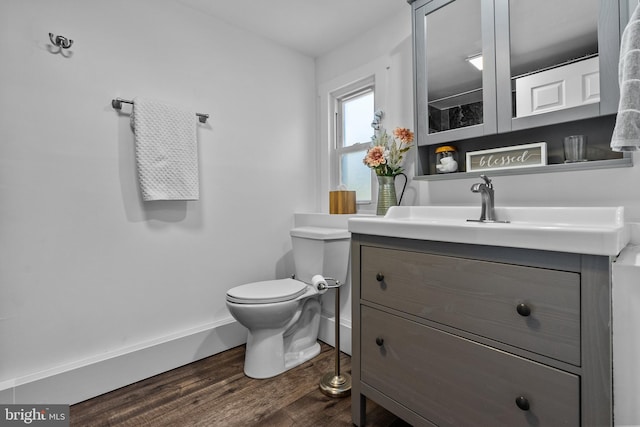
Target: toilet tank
[320,250]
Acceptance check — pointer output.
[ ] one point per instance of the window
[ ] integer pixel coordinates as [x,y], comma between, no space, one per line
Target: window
[353,114]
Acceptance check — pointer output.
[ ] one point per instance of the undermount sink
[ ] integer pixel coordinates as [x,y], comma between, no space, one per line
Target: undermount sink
[585,230]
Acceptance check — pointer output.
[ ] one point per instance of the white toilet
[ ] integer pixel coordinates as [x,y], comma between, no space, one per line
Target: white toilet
[283,316]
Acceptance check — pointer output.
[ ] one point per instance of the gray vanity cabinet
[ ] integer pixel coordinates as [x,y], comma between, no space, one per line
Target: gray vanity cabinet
[453,334]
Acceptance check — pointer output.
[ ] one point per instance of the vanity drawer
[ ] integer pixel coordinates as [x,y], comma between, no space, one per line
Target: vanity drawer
[450,380]
[480,297]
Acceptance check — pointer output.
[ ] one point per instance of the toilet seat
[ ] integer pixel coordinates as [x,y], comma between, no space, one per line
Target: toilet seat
[266,292]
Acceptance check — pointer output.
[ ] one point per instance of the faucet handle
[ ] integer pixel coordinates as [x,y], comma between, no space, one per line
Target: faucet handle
[487,180]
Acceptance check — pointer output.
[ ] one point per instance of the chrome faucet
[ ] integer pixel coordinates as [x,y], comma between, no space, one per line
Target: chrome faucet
[485,189]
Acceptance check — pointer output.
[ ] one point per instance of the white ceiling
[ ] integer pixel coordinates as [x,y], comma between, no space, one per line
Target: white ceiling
[312,27]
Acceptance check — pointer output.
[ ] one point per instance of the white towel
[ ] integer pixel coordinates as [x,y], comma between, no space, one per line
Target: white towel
[626,134]
[166,151]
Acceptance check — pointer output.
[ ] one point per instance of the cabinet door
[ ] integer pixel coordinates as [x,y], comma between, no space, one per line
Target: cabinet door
[455,99]
[555,61]
[452,381]
[480,297]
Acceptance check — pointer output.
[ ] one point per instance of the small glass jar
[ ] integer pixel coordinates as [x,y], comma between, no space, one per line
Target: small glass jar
[446,159]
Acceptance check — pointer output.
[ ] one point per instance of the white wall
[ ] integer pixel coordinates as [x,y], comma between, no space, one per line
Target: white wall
[602,187]
[383,52]
[87,270]
[386,53]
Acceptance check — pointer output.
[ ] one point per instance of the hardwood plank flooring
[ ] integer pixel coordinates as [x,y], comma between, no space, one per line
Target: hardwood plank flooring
[215,392]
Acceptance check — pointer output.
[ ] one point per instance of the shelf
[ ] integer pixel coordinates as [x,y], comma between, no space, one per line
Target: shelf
[624,162]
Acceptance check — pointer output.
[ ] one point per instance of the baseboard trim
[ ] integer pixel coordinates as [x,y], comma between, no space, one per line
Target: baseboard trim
[85,379]
[327,332]
[88,378]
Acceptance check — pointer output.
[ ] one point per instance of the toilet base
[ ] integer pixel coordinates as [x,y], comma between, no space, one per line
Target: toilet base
[264,356]
[271,352]
[293,359]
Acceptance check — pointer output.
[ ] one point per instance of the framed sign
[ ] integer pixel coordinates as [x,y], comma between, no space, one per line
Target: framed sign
[517,156]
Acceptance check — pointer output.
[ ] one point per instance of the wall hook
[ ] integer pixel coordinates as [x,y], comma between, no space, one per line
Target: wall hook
[61,41]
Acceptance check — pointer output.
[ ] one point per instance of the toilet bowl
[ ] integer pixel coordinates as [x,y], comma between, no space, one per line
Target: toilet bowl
[283,316]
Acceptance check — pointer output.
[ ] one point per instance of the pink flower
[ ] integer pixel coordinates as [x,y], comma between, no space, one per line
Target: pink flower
[403,134]
[375,157]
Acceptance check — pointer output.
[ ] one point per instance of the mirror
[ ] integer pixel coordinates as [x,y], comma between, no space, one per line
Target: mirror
[453,34]
[554,55]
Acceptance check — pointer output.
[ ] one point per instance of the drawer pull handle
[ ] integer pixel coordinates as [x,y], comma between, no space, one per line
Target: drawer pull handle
[522,403]
[379,277]
[380,341]
[523,309]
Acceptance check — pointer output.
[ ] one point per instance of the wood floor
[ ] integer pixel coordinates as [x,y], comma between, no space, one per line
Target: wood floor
[215,392]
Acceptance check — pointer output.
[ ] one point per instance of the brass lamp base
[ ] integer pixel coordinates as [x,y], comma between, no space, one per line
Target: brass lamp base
[336,385]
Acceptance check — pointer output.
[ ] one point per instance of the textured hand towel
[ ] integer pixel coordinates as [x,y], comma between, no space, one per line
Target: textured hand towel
[626,134]
[166,151]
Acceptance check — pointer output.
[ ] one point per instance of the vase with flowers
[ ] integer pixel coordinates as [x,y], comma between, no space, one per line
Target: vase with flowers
[385,157]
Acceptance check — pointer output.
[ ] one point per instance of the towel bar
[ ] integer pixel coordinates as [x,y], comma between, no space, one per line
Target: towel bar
[117,104]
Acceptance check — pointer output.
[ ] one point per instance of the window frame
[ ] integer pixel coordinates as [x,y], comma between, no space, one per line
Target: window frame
[338,149]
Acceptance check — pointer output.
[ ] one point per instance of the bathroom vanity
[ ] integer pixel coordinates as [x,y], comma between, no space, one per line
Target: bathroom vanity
[459,323]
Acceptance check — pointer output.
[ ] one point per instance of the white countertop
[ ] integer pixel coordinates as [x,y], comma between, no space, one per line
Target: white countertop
[584,230]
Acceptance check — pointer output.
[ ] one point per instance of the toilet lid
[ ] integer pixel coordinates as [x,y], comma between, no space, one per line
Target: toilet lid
[268,291]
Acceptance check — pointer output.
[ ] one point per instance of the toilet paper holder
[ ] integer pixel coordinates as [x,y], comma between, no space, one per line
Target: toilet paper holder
[333,384]
[320,282]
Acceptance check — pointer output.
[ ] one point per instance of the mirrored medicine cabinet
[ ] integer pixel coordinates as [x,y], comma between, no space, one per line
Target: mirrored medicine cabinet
[494,73]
